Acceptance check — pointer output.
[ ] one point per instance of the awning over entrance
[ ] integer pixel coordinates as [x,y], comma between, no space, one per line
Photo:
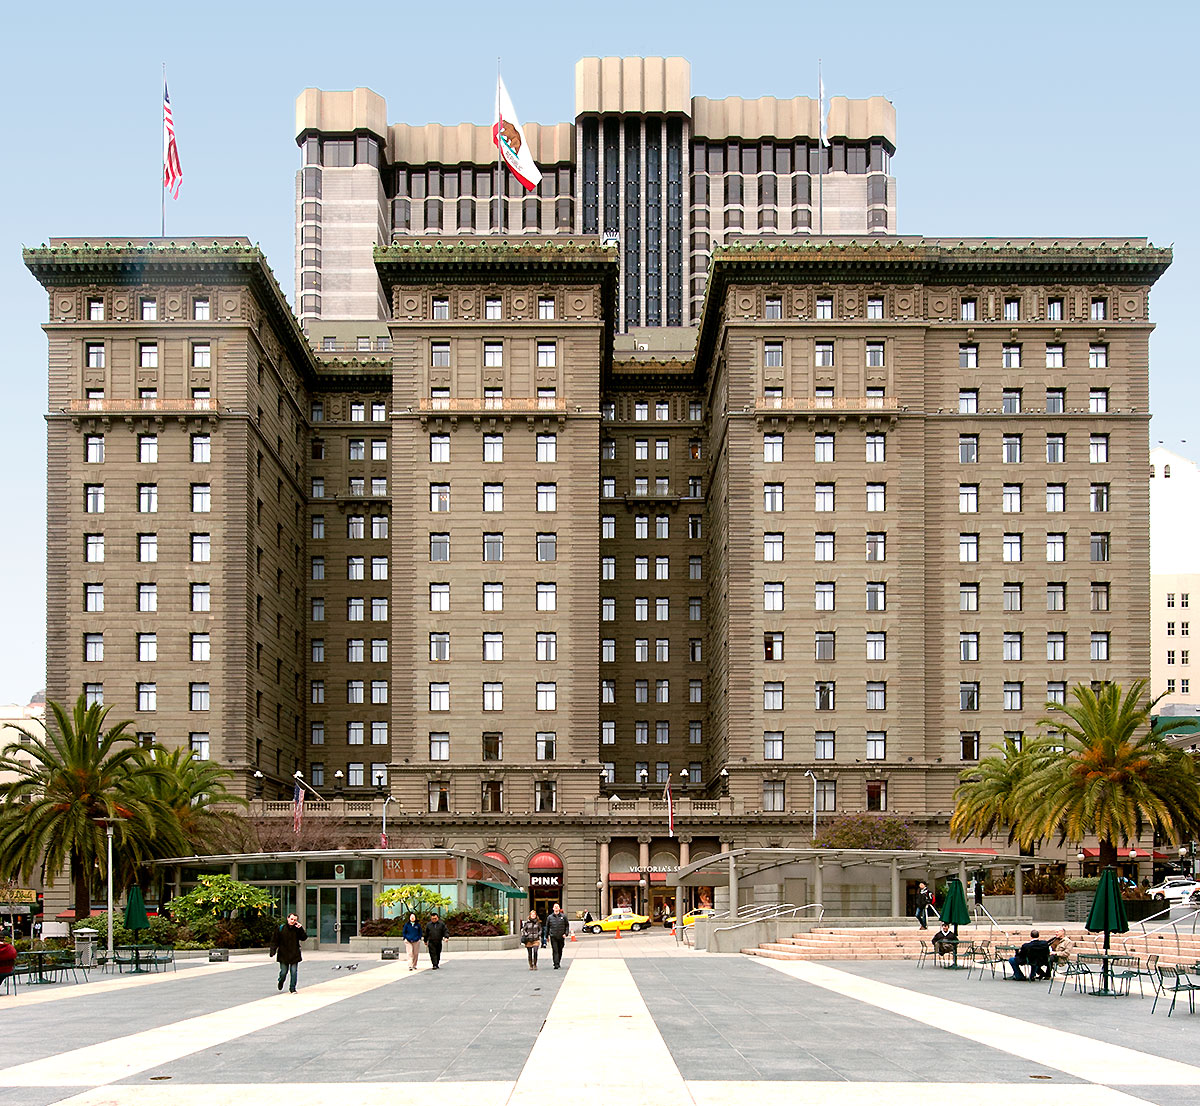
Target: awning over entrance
[545,862]
[511,892]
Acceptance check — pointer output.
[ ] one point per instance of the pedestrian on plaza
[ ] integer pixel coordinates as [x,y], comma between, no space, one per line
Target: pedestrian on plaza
[945,939]
[558,926]
[435,933]
[587,917]
[412,938]
[1034,955]
[1061,948]
[531,938]
[285,947]
[924,902]
[8,957]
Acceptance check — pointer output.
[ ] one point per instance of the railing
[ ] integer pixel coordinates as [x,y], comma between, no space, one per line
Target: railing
[766,913]
[125,406]
[506,404]
[826,403]
[979,907]
[1171,925]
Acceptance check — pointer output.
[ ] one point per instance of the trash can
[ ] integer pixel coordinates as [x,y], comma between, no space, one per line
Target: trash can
[85,947]
[392,953]
[218,956]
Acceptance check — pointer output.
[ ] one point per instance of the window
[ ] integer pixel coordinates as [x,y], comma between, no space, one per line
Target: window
[1056,646]
[93,548]
[1098,449]
[968,499]
[93,647]
[1056,547]
[824,692]
[1011,453]
[1012,310]
[966,310]
[662,411]
[148,359]
[823,547]
[1056,400]
[968,356]
[1012,547]
[1100,646]
[547,646]
[876,497]
[968,449]
[876,745]
[318,609]
[1100,547]
[94,449]
[1054,356]
[1056,449]
[773,796]
[773,355]
[547,447]
[968,744]
[547,596]
[772,596]
[547,696]
[547,497]
[1013,645]
[493,547]
[876,448]
[968,547]
[439,498]
[662,568]
[355,609]
[822,449]
[93,499]
[968,401]
[968,696]
[439,648]
[772,448]
[968,597]
[823,742]
[1098,357]
[874,355]
[1100,603]
[94,353]
[198,696]
[439,547]
[876,695]
[876,645]
[201,498]
[1010,357]
[1012,596]
[147,597]
[876,596]
[1056,692]
[695,527]
[1056,596]
[773,696]
[823,397]
[201,597]
[823,497]
[1056,498]
[772,547]
[968,646]
[823,358]
[824,596]
[824,307]
[1099,309]
[354,694]
[493,696]
[1099,498]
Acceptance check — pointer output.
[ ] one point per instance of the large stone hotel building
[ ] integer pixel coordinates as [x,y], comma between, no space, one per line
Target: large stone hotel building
[657,483]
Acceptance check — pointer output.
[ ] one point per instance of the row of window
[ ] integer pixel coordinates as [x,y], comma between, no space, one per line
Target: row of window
[200,647]
[356,486]
[1011,449]
[825,743]
[545,641]
[147,309]
[1012,401]
[147,597]
[198,696]
[491,799]
[1013,596]
[1012,547]
[1184,687]
[641,568]
[662,526]
[1012,496]
[147,449]
[1014,691]
[356,568]
[545,696]
[546,499]
[1184,598]
[824,595]
[824,497]
[355,650]
[824,356]
[358,411]
[355,609]
[356,526]
[662,411]
[355,690]
[1185,628]
[662,732]
[356,732]
[355,775]
[493,356]
[968,307]
[147,498]
[1013,645]
[95,357]
[147,548]
[493,308]
[493,448]
[823,448]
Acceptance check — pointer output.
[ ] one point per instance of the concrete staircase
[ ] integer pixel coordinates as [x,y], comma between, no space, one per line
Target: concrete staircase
[904,943]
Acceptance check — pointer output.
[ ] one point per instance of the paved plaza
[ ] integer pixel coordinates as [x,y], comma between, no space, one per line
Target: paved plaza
[636,1020]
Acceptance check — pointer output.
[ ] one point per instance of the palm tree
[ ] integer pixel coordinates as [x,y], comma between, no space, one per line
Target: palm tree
[986,799]
[79,773]
[1115,776]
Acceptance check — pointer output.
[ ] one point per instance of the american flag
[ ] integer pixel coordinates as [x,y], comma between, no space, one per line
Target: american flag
[297,807]
[172,171]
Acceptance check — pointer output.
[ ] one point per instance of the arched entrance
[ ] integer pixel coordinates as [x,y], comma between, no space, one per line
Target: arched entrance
[545,882]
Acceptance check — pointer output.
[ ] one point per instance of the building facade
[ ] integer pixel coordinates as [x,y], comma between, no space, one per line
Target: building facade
[516,575]
[663,175]
[1174,579]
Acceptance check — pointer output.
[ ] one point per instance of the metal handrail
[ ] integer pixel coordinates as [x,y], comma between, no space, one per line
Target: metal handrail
[1171,925]
[775,912]
[992,928]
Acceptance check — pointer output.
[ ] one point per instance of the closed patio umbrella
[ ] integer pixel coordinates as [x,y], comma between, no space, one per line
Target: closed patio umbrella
[954,908]
[1107,914]
[135,910]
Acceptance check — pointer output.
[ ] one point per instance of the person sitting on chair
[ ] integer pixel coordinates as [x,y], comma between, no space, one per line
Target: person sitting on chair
[1035,955]
[1061,948]
[944,940]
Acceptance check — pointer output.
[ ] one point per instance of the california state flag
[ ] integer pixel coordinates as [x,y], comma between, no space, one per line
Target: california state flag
[510,138]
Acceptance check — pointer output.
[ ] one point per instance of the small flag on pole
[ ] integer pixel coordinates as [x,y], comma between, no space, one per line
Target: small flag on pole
[297,807]
[670,808]
[509,138]
[172,171]
[821,108]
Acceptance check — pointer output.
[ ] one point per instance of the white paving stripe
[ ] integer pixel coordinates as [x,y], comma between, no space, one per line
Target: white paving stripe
[764,1093]
[599,1045]
[122,1057]
[99,984]
[1083,1057]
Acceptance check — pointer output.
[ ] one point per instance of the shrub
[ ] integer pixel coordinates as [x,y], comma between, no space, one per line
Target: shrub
[99,922]
[865,831]
[381,927]
[1083,883]
[476,922]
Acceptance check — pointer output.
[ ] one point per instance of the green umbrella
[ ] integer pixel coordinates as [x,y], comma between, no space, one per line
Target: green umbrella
[954,906]
[1107,914]
[135,910]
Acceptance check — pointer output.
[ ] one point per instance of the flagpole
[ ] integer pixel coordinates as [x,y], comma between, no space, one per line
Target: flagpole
[820,151]
[499,159]
[163,175]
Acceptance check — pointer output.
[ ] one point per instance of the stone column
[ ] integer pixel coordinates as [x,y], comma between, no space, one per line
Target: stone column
[819,881]
[603,877]
[1018,891]
[733,886]
[897,900]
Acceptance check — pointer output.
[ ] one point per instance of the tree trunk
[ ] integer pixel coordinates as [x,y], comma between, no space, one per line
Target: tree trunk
[83,888]
[1108,854]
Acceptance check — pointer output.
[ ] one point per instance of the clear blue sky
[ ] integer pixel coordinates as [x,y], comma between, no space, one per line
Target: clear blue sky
[1018,120]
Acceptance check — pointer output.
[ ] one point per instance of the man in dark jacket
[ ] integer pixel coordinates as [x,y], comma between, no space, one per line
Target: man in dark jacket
[1035,955]
[285,947]
[435,934]
[557,928]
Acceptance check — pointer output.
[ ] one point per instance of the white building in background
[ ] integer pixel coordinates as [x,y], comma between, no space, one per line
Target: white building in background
[1175,582]
[31,716]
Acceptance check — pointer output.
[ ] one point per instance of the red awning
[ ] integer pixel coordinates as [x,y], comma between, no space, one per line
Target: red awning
[545,861]
[69,915]
[497,856]
[623,877]
[1142,854]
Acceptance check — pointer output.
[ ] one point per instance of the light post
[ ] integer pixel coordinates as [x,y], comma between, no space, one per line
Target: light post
[1184,867]
[383,837]
[108,834]
[599,899]
[809,772]
[1080,857]
[258,783]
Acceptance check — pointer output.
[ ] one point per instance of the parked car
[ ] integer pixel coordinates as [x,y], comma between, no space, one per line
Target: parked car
[1175,889]
[1194,898]
[690,917]
[618,919]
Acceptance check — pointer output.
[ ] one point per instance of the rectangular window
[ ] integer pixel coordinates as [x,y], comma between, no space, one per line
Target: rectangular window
[876,497]
[968,499]
[876,596]
[547,497]
[968,401]
[355,609]
[823,550]
[823,745]
[1098,357]
[1100,646]
[1056,401]
[876,645]
[93,499]
[439,547]
[201,498]
[1100,601]
[823,355]
[1012,547]
[876,547]
[1056,547]
[201,597]
[1013,645]
[93,548]
[968,449]
[773,696]
[772,547]
[968,547]
[968,696]
[1056,498]
[1056,646]
[1056,449]
[1054,356]
[198,695]
[493,547]
[968,356]
[1056,596]
[824,695]
[1098,449]
[968,646]
[772,596]
[874,355]
[968,597]
[823,497]
[876,745]
[772,448]
[1100,547]
[1010,357]
[1099,498]
[1011,453]
[147,597]
[547,597]
[876,695]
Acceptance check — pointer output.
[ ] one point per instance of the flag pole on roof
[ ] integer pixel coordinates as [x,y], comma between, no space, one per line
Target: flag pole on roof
[512,147]
[172,170]
[822,138]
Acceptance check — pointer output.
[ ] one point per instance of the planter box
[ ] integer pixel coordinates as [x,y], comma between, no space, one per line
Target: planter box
[1079,904]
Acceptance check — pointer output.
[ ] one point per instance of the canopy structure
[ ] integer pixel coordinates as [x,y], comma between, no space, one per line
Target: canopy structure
[748,867]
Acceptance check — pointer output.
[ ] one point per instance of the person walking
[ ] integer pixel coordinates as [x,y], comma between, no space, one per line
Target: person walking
[435,933]
[557,928]
[531,938]
[285,947]
[924,902]
[412,938]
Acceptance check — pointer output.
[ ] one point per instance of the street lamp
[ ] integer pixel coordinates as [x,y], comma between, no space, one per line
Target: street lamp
[600,898]
[258,783]
[1080,857]
[685,778]
[108,824]
[383,838]
[724,783]
[809,772]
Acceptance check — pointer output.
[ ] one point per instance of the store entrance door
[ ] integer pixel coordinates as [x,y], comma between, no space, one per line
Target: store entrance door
[331,912]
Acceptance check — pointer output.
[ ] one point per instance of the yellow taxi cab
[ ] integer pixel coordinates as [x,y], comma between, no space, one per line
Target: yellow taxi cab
[690,917]
[618,919]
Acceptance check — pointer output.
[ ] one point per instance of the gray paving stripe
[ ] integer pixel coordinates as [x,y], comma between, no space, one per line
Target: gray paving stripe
[729,1020]
[470,1021]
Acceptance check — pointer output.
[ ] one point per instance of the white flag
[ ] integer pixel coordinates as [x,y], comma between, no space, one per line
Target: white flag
[821,109]
[510,139]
